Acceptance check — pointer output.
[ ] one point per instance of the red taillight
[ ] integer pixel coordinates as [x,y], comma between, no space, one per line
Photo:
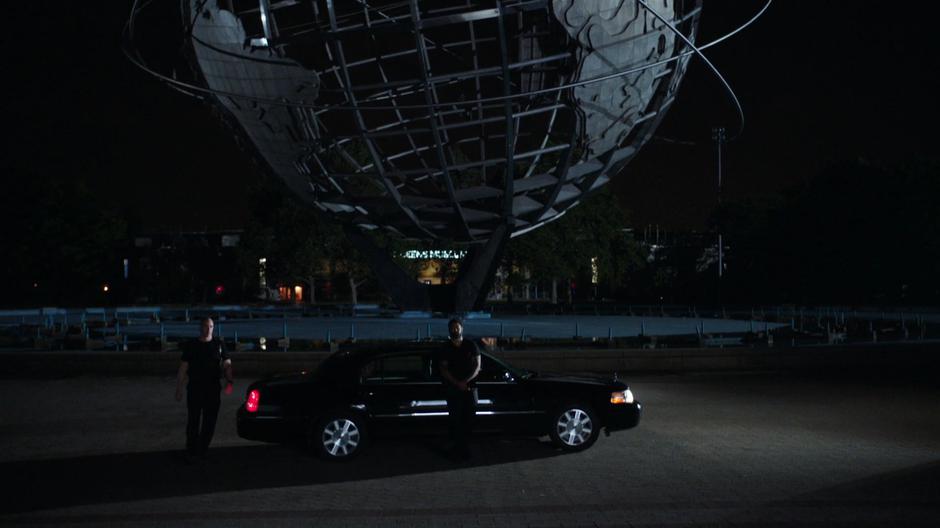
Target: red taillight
[251,405]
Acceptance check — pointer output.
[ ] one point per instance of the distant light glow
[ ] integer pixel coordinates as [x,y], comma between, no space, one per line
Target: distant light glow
[220,289]
[105,288]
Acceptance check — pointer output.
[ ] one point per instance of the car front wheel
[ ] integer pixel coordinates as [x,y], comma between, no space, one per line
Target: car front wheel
[574,427]
[338,436]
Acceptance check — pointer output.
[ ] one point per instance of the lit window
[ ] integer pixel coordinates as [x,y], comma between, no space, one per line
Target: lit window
[263,273]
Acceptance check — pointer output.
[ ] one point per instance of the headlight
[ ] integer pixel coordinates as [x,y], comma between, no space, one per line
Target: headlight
[621,397]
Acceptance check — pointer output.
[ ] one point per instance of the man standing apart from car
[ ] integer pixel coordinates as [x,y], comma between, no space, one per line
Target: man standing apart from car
[459,364]
[203,361]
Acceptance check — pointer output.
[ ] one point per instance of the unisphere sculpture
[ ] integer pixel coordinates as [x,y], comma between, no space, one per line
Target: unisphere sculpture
[457,121]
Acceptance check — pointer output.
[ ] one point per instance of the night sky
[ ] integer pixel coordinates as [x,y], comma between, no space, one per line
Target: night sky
[819,81]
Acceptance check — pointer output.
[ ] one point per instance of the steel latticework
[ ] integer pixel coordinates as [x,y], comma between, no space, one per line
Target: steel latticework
[446,120]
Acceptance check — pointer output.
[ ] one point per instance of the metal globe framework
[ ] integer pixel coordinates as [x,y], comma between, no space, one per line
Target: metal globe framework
[456,121]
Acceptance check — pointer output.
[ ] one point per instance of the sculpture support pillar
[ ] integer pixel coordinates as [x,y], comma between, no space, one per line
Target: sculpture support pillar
[406,292]
[478,270]
[474,280]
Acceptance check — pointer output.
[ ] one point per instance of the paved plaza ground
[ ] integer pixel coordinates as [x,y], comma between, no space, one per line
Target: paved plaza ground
[717,449]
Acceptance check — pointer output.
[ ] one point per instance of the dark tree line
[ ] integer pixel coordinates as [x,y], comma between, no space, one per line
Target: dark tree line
[60,242]
[302,246]
[857,233]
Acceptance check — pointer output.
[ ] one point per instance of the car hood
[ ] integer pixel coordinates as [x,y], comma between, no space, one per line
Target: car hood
[555,378]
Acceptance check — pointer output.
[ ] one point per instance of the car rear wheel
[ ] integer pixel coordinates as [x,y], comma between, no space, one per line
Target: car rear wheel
[338,436]
[574,427]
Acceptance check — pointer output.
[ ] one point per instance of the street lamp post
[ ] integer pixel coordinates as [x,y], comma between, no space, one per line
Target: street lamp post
[719,135]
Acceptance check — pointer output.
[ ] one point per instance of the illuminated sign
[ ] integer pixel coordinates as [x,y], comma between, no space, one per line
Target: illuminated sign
[441,254]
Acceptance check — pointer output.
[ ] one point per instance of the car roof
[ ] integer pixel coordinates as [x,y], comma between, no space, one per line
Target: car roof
[364,354]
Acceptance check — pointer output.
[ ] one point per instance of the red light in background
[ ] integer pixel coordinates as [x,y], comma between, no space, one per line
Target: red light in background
[219,290]
[251,405]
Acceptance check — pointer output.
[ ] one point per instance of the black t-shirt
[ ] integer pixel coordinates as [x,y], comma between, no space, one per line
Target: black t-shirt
[460,360]
[205,361]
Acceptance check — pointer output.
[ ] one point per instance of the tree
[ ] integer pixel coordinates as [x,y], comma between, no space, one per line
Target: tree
[855,233]
[564,248]
[288,235]
[298,244]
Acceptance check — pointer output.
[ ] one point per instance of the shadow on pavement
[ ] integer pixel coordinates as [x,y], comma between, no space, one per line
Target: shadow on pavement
[46,484]
[908,497]
[915,485]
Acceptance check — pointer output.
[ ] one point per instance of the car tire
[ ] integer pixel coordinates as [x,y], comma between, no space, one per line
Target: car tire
[339,436]
[574,427]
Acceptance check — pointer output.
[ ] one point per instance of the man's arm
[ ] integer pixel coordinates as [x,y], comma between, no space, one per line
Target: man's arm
[181,375]
[460,384]
[476,369]
[448,377]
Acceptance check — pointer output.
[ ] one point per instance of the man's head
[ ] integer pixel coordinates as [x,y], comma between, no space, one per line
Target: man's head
[455,329]
[208,325]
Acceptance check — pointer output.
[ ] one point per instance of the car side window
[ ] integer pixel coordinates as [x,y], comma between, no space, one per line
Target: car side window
[492,371]
[396,369]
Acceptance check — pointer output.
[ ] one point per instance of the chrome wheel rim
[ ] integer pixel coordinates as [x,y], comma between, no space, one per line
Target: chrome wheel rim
[574,427]
[340,437]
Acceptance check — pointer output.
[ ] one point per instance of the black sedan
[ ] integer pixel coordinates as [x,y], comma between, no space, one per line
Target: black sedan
[352,396]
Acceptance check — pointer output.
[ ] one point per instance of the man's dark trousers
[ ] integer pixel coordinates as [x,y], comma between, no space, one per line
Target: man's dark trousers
[202,402]
[461,410]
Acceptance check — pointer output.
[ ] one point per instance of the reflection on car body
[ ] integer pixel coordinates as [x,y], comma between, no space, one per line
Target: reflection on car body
[353,396]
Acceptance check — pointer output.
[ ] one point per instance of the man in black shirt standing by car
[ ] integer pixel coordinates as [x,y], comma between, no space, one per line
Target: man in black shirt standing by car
[203,361]
[459,365]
